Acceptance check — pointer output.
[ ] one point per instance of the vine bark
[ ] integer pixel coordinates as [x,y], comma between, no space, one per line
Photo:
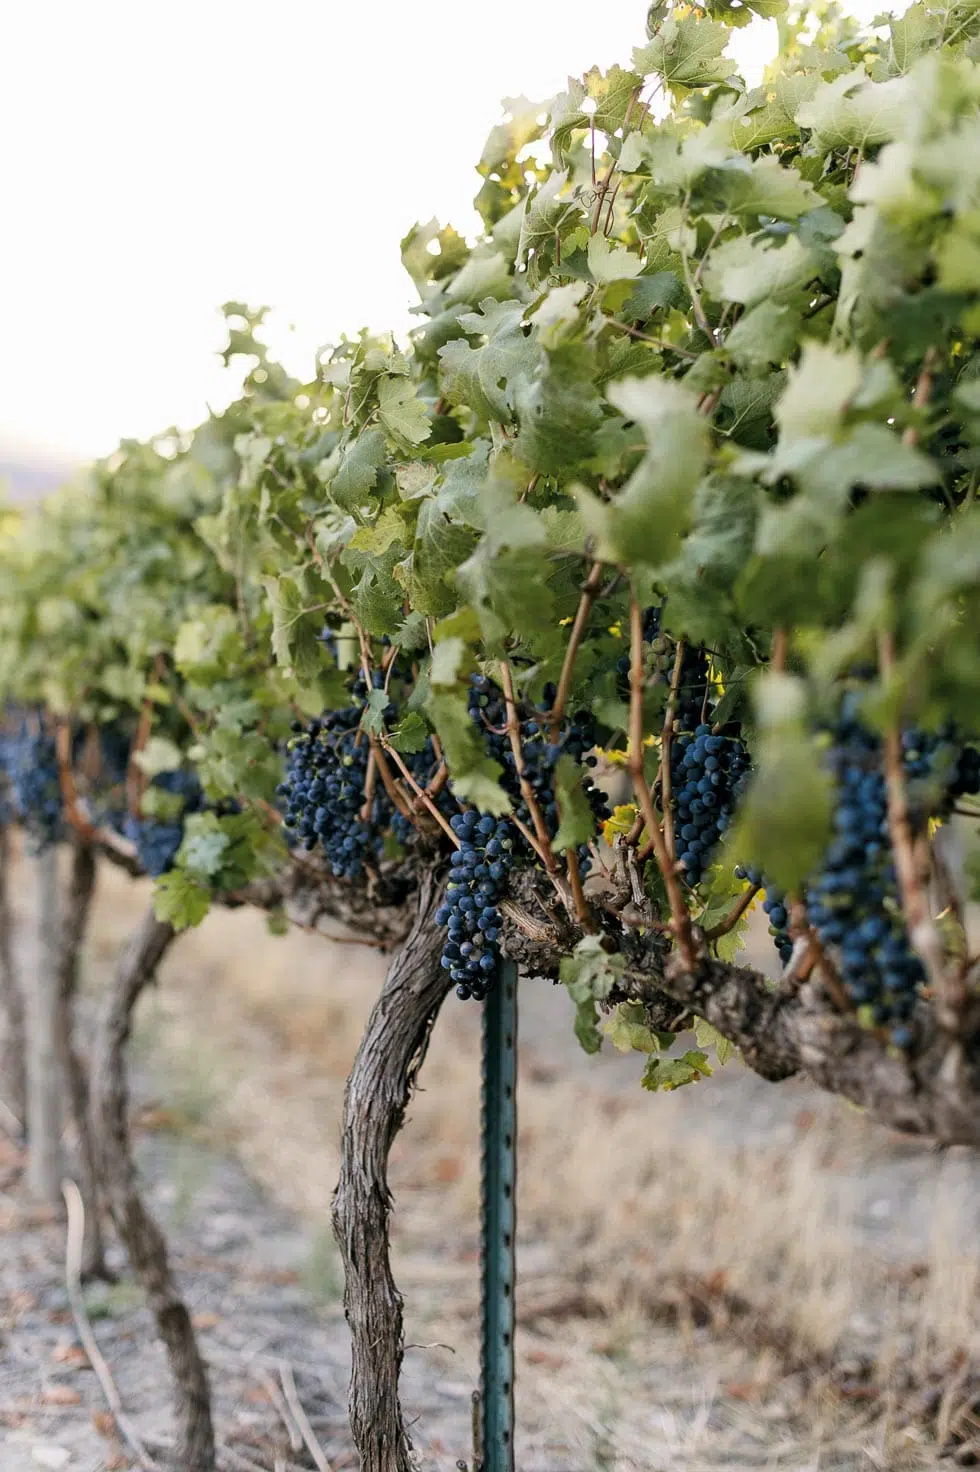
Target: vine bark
[140,1234]
[378,1092]
[13,1076]
[45,1076]
[77,908]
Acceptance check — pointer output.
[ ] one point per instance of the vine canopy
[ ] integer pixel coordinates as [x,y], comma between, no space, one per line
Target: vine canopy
[707,381]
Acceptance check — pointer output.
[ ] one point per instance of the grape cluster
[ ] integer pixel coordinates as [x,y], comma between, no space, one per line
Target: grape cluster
[157,841]
[541,748]
[938,770]
[708,773]
[490,846]
[30,764]
[470,911]
[775,906]
[708,770]
[323,791]
[853,902]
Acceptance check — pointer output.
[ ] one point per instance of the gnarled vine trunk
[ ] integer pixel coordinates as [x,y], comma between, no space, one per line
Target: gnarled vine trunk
[140,1234]
[378,1091]
[45,1075]
[13,1075]
[77,908]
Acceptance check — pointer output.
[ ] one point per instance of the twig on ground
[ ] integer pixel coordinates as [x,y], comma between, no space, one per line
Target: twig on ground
[302,1420]
[285,1414]
[73,1279]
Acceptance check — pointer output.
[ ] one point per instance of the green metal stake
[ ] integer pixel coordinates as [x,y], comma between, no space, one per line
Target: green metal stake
[499,1220]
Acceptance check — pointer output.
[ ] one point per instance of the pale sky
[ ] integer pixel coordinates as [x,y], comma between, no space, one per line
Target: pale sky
[161,158]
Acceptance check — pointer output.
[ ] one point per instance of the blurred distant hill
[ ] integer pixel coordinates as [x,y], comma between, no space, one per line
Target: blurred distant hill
[28,477]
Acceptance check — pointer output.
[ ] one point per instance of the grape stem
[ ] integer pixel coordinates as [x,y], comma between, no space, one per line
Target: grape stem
[420,792]
[603,189]
[666,738]
[370,781]
[582,912]
[913,870]
[66,781]
[780,647]
[135,777]
[589,592]
[734,915]
[680,919]
[542,847]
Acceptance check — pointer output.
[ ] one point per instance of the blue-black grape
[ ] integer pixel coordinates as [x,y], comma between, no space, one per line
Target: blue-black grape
[853,902]
[470,910]
[30,762]
[776,906]
[156,843]
[491,846]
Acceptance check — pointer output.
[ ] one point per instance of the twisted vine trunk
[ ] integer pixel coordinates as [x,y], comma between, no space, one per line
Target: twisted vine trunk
[78,905]
[13,1075]
[45,1076]
[378,1092]
[140,1234]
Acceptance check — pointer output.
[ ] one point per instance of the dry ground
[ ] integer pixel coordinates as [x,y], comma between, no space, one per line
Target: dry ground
[735,1275]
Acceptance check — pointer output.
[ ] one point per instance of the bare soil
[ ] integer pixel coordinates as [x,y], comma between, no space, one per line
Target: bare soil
[733,1276]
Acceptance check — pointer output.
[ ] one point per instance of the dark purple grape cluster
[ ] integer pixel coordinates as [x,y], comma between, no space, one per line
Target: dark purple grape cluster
[541,749]
[708,773]
[490,846]
[470,912]
[157,841]
[776,908]
[853,902]
[323,791]
[30,765]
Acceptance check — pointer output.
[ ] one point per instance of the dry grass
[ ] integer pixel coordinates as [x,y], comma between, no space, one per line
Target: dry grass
[733,1202]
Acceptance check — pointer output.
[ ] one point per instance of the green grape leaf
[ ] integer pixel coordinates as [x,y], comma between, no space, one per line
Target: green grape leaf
[609,262]
[674,1073]
[159,755]
[402,413]
[179,900]
[686,52]
[357,474]
[577,825]
[629,1032]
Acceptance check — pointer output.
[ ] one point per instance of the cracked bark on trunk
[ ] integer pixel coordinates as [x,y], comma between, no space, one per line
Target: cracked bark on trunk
[378,1092]
[13,1076]
[140,1234]
[77,908]
[45,1076]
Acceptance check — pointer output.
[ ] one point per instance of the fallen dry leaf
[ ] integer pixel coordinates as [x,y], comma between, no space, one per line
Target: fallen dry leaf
[61,1395]
[105,1424]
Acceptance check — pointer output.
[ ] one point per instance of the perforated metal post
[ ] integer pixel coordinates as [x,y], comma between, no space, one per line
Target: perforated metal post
[499,1220]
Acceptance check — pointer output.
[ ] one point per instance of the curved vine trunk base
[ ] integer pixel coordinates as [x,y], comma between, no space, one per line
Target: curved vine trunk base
[78,905]
[45,1074]
[13,1076]
[378,1092]
[142,1238]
